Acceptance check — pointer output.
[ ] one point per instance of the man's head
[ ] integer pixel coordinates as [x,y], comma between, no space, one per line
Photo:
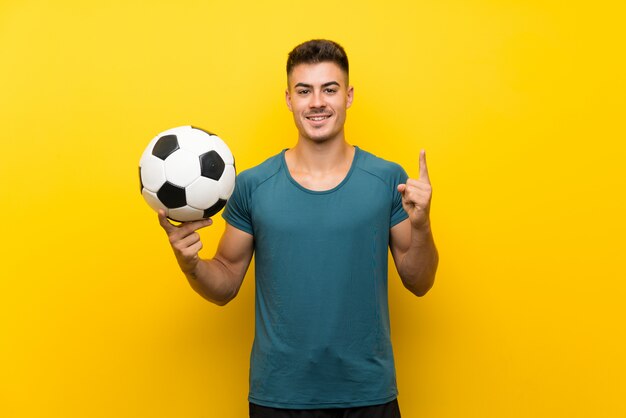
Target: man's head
[316,51]
[317,92]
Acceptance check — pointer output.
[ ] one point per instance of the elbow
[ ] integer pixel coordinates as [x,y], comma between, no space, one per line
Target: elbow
[218,302]
[222,301]
[422,284]
[419,290]
[422,278]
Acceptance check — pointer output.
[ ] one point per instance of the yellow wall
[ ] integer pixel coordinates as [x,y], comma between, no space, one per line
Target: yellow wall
[519,104]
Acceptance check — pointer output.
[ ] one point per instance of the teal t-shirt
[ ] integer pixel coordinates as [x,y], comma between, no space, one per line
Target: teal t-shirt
[322,337]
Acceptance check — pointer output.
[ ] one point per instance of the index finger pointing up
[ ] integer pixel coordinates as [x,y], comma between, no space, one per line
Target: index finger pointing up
[423,168]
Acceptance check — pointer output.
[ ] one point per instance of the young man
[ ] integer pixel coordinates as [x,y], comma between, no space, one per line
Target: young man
[319,218]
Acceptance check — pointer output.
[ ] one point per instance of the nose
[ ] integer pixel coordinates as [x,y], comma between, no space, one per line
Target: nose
[317,100]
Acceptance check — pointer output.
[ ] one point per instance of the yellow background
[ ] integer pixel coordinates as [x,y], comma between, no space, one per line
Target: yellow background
[519,104]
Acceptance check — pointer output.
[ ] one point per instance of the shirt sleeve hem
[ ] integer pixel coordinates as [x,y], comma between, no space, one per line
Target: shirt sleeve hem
[238,225]
[398,219]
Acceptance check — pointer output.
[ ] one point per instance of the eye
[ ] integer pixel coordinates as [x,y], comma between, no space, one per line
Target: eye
[331,90]
[303,92]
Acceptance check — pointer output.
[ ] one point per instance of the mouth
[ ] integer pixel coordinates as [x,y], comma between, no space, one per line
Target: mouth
[318,118]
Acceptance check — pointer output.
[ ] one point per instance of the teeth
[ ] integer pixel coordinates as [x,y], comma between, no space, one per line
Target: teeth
[317,118]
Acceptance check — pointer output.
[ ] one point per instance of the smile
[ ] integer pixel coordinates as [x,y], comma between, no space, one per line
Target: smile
[318,118]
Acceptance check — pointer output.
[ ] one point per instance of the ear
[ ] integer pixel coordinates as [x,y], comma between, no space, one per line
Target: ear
[288,100]
[350,97]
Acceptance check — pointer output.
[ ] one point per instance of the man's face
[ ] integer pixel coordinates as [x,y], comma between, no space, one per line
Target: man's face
[318,96]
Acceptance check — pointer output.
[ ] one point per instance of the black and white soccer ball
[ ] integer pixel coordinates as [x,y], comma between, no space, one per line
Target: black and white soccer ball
[187,172]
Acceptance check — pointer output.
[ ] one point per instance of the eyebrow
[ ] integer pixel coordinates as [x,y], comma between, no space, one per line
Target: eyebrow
[330,83]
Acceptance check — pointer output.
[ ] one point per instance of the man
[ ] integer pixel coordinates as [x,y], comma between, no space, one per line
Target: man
[319,218]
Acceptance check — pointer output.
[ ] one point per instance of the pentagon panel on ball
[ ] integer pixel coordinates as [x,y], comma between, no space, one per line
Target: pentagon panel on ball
[187,172]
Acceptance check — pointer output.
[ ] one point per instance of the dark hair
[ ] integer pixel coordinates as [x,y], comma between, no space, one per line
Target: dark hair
[316,51]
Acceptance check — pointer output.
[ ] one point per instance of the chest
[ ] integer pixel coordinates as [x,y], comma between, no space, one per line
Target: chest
[284,209]
[319,183]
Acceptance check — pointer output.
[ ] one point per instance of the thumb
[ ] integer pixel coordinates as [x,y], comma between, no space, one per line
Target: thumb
[401,188]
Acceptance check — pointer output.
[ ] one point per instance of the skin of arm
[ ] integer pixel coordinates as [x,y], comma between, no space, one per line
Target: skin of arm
[219,279]
[415,256]
[411,241]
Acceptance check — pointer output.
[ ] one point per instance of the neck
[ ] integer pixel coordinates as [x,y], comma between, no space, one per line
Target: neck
[320,157]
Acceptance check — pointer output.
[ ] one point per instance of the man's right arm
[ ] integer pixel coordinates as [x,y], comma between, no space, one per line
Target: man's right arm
[218,279]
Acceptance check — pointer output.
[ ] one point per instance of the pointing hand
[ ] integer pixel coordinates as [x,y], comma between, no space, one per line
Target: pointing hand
[416,195]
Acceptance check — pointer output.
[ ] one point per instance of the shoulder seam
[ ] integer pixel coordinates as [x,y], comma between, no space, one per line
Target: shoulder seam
[266,179]
[373,174]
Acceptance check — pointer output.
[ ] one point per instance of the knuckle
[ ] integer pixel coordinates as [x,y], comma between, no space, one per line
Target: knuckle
[189,253]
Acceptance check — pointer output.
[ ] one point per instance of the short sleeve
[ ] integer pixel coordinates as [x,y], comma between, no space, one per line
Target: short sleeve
[398,213]
[237,211]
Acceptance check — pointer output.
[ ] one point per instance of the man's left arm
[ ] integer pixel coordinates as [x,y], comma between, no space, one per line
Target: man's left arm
[411,241]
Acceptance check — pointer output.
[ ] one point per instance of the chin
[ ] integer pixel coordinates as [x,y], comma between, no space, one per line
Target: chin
[318,138]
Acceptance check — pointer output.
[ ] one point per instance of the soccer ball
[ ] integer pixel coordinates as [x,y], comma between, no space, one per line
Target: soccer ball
[187,172]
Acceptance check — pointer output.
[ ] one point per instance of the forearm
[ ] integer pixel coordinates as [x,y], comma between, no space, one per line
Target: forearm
[418,265]
[213,280]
